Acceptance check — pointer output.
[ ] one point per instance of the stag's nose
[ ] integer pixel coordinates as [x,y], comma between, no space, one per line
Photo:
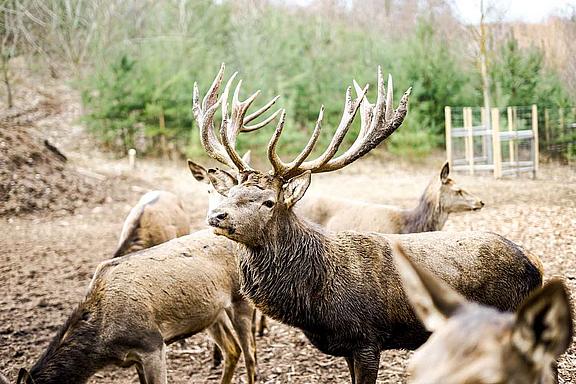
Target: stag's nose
[217,217]
[481,203]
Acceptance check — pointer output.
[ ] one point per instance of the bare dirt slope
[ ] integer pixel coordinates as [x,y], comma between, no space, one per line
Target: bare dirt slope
[47,259]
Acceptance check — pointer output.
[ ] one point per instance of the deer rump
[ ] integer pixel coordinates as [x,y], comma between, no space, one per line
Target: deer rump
[359,301]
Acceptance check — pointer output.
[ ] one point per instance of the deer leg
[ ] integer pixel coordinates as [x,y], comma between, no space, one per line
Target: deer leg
[221,332]
[263,325]
[153,367]
[242,317]
[350,362]
[366,363]
[140,371]
[216,356]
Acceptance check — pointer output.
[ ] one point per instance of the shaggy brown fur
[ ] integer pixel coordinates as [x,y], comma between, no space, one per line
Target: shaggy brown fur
[158,217]
[342,288]
[478,344]
[137,304]
[440,198]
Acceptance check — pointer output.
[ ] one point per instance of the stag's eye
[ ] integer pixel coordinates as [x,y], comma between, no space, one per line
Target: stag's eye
[268,203]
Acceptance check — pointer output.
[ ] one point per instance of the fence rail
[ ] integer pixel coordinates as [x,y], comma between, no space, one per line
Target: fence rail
[503,140]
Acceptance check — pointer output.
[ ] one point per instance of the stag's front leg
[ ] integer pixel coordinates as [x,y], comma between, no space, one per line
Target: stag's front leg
[366,363]
[350,362]
[152,369]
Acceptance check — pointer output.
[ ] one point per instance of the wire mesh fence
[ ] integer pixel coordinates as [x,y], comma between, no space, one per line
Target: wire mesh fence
[558,133]
[500,140]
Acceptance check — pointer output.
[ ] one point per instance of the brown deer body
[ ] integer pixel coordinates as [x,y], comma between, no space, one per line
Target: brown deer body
[158,217]
[440,198]
[473,343]
[341,289]
[139,303]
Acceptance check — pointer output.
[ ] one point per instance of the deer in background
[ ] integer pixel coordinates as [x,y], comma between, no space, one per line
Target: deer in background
[473,343]
[341,288]
[441,197]
[139,303]
[157,217]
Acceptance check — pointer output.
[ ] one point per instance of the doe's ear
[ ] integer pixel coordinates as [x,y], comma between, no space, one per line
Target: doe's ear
[295,188]
[431,298]
[445,172]
[221,180]
[198,171]
[543,325]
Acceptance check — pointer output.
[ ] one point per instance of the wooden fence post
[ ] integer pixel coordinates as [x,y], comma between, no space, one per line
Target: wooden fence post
[469,139]
[448,122]
[132,158]
[535,141]
[496,143]
[511,122]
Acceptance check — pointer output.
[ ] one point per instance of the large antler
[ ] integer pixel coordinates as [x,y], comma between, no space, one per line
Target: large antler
[231,125]
[378,121]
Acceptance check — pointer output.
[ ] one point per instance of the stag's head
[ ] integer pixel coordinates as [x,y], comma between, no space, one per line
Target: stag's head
[472,343]
[454,198]
[254,198]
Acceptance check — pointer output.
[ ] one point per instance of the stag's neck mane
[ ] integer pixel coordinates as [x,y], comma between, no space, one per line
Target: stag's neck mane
[287,271]
[428,215]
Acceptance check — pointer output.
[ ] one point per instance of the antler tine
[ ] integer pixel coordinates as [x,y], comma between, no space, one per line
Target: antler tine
[250,128]
[256,114]
[229,132]
[389,106]
[278,165]
[311,142]
[365,111]
[212,94]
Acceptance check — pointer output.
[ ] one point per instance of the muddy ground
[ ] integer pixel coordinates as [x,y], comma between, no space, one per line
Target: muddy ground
[47,259]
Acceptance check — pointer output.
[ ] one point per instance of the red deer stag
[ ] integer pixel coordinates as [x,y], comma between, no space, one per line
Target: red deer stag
[473,343]
[341,288]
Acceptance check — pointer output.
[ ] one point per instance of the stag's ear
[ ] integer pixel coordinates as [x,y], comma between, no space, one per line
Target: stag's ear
[199,172]
[295,188]
[543,325]
[247,158]
[431,298]
[221,180]
[445,172]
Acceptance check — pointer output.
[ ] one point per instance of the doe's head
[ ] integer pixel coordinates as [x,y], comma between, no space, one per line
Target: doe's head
[200,173]
[255,198]
[477,344]
[454,198]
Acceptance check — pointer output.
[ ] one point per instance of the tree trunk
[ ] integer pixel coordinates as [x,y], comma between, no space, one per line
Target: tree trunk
[9,100]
